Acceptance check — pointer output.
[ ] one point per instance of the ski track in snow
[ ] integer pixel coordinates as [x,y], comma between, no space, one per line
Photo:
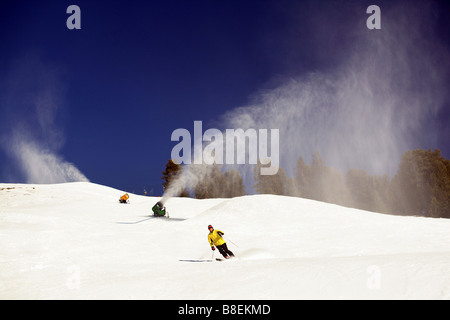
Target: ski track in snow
[75,241]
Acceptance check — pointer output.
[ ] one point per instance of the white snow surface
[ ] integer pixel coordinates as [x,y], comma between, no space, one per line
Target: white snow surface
[75,241]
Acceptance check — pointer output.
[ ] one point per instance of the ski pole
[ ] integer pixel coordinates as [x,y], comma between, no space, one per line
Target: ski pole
[228,239]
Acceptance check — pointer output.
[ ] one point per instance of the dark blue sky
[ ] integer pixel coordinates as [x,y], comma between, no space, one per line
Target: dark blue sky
[137,70]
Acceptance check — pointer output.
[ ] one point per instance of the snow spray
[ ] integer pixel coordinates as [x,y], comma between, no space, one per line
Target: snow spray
[29,134]
[380,96]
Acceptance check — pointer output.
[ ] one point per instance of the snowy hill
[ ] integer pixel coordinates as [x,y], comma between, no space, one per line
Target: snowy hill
[75,241]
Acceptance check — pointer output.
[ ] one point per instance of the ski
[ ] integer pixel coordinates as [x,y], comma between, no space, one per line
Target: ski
[201,260]
[196,260]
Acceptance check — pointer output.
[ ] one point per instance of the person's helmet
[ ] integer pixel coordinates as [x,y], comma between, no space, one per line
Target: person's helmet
[210,227]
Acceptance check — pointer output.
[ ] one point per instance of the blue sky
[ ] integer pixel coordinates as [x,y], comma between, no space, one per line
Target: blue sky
[138,70]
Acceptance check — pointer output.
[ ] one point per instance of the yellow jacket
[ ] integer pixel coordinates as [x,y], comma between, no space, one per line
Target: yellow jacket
[215,238]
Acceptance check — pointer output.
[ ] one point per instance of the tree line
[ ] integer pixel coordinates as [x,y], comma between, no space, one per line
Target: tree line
[420,187]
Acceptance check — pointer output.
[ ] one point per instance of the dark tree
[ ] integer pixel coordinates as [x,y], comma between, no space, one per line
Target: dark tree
[172,171]
[422,185]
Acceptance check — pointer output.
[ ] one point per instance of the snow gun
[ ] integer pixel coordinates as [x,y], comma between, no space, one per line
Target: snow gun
[159,210]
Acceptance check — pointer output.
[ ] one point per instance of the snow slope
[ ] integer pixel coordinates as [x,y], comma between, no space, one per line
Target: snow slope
[75,241]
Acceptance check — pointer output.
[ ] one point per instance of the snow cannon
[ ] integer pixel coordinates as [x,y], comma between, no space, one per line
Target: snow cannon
[159,210]
[125,198]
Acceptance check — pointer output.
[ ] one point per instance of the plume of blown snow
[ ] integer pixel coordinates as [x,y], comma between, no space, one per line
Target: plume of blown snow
[379,100]
[32,95]
[43,166]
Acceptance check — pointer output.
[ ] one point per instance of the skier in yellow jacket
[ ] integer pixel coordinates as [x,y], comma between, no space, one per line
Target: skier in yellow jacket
[215,239]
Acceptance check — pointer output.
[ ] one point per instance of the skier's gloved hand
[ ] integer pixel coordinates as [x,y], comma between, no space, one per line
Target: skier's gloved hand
[213,248]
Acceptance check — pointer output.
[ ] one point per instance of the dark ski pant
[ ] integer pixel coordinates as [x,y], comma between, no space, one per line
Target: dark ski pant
[223,249]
